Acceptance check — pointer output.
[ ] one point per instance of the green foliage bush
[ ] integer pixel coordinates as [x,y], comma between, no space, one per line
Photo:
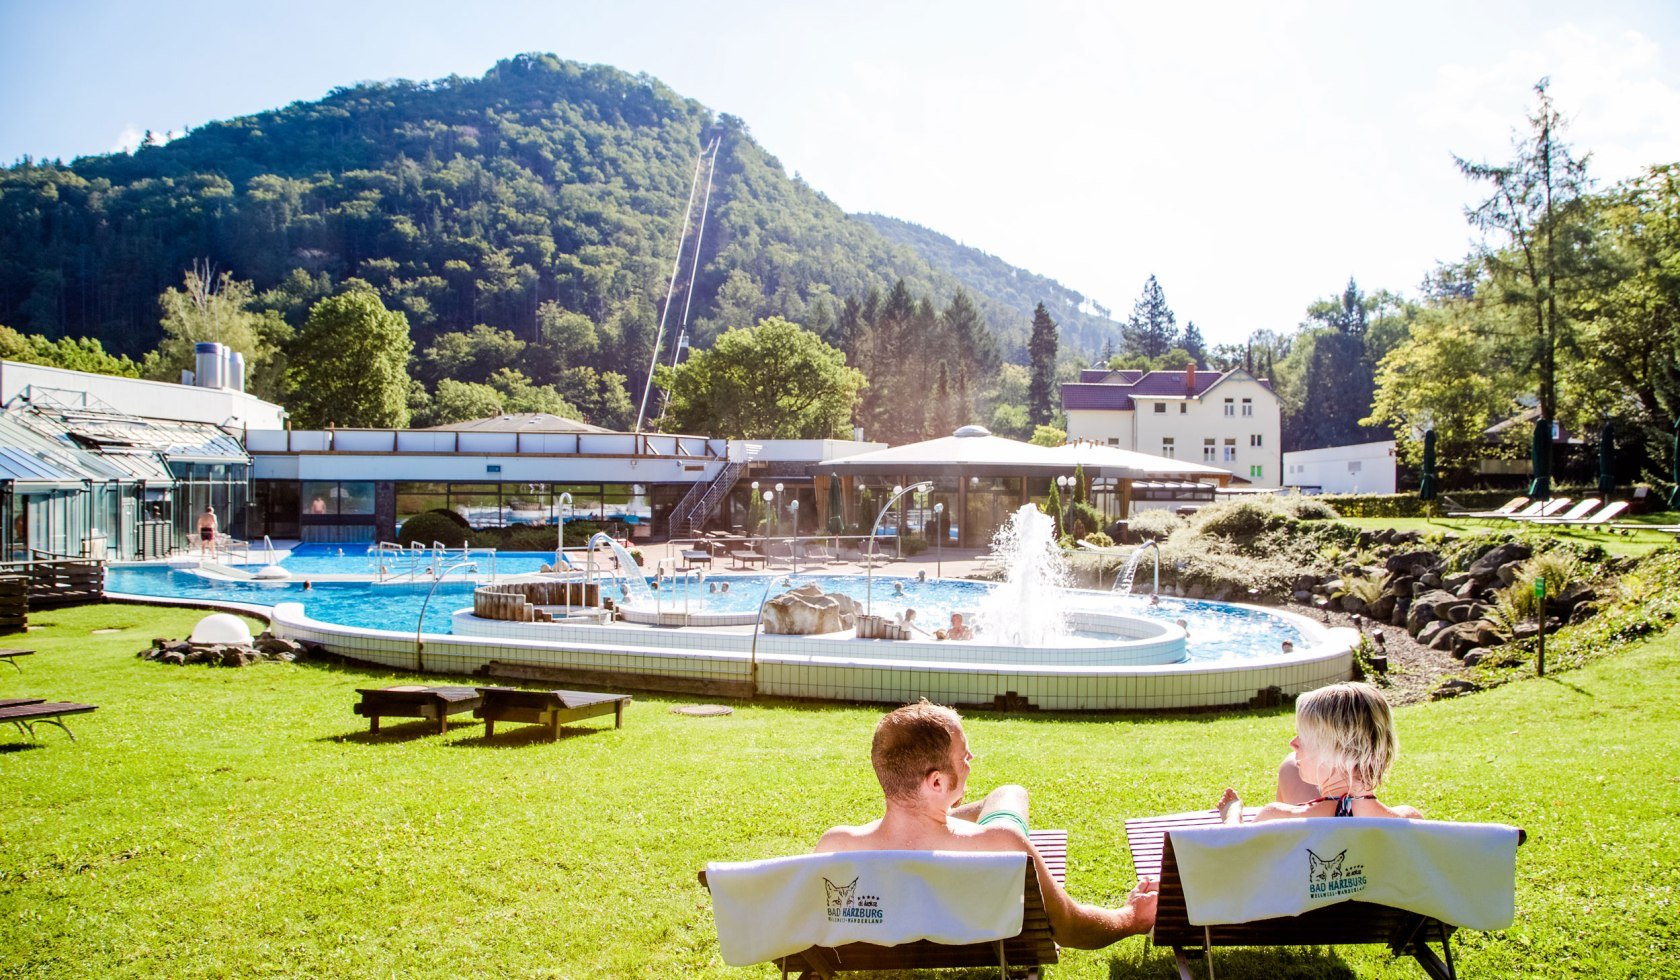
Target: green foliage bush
[1308,508]
[1381,504]
[1099,539]
[429,527]
[1155,524]
[1083,519]
[1240,521]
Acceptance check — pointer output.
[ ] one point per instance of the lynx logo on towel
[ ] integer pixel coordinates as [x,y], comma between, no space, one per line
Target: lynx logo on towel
[1333,877]
[846,905]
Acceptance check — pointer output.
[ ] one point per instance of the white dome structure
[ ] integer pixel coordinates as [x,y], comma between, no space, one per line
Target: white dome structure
[221,628]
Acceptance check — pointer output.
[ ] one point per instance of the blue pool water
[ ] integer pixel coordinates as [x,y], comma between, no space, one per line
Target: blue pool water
[1217,631]
[321,559]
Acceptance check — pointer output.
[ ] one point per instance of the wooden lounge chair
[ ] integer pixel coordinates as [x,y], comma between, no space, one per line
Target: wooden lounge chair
[1027,952]
[548,708]
[26,713]
[1507,508]
[416,701]
[696,556]
[1346,923]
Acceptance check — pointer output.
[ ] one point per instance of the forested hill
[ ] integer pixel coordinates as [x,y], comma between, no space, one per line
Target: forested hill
[544,188]
[1004,290]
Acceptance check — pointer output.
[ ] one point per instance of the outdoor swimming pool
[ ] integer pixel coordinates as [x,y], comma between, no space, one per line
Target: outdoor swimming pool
[1109,651]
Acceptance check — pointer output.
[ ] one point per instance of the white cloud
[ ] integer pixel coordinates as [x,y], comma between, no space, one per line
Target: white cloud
[128,140]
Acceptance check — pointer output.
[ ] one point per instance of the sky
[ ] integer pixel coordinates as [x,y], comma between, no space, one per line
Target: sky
[1251,156]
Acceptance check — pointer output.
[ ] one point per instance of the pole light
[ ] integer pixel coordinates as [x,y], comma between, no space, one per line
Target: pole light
[565,507]
[769,495]
[938,540]
[869,578]
[1066,483]
[793,505]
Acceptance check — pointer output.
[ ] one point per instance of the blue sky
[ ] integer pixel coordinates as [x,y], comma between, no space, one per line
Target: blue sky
[1252,156]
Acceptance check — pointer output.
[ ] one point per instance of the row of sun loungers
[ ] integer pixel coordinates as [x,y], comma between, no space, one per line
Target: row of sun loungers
[1407,884]
[1555,512]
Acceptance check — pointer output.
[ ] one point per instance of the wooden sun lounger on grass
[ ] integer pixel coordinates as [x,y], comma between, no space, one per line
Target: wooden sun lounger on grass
[26,713]
[550,709]
[1033,948]
[1346,923]
[416,701]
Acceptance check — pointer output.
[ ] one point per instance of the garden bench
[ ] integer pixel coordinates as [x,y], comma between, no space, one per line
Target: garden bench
[551,708]
[1407,933]
[695,556]
[416,701]
[10,656]
[26,713]
[1033,947]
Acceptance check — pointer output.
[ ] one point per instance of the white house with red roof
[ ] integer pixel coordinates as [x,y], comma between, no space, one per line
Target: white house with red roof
[1230,420]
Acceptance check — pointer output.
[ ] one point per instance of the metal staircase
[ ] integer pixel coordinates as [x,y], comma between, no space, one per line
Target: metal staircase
[697,505]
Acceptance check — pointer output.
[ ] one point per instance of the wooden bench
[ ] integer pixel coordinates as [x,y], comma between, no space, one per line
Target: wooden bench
[551,708]
[415,701]
[1351,922]
[1033,948]
[695,556]
[10,656]
[26,713]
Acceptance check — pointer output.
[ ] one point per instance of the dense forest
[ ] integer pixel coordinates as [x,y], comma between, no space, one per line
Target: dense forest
[541,201]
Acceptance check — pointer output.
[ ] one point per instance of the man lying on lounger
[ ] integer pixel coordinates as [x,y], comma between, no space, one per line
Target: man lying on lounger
[921,758]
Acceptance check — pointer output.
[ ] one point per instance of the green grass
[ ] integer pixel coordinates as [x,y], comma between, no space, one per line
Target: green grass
[215,822]
[1637,544]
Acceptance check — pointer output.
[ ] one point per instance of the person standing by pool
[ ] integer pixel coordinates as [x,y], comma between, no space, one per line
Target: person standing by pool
[921,759]
[207,530]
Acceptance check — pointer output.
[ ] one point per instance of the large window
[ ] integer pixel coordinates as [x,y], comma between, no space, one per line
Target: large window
[337,498]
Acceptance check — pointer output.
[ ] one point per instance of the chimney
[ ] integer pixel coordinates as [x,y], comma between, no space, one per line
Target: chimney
[1190,378]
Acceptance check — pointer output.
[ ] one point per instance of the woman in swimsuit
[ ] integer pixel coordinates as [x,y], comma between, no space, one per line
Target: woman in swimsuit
[1344,743]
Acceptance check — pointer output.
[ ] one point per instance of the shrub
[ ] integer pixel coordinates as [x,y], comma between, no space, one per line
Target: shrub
[1240,521]
[1099,539]
[1365,588]
[1157,524]
[1308,508]
[429,527]
[1082,519]
[914,545]
[459,521]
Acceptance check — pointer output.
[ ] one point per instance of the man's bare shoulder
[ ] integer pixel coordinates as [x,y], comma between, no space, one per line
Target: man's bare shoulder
[850,838]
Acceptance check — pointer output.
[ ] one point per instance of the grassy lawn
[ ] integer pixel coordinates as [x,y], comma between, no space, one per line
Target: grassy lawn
[1636,544]
[215,822]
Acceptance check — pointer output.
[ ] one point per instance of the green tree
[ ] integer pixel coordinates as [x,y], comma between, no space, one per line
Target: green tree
[1191,343]
[1041,350]
[1011,420]
[211,307]
[460,401]
[71,353]
[350,364]
[775,380]
[1326,409]
[1152,328]
[1451,376]
[473,356]
[1048,435]
[1531,214]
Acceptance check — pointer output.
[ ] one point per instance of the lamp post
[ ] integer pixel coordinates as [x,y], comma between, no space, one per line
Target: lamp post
[752,502]
[793,505]
[1065,482]
[560,543]
[769,495]
[777,516]
[869,575]
[939,540]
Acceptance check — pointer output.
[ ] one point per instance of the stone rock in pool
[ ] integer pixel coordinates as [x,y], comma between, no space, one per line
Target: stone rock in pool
[807,611]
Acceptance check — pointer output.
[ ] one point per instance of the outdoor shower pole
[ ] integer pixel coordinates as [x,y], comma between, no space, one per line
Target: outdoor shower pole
[869,574]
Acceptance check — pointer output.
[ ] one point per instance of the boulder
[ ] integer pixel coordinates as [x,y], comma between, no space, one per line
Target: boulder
[1403,564]
[1452,687]
[1304,582]
[806,611]
[1352,604]
[1501,555]
[1431,630]
[1427,607]
[1508,572]
[1383,608]
[1303,596]
[1455,581]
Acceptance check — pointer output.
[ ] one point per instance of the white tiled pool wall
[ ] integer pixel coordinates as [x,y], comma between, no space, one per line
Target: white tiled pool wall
[792,667]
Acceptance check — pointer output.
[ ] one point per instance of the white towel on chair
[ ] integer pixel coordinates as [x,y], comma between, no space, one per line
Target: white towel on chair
[1461,873]
[766,909]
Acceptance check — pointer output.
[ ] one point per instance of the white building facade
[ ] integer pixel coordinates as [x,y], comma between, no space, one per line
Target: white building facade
[1370,467]
[1232,420]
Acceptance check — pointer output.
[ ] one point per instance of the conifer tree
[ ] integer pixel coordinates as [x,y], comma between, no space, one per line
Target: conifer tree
[1152,328]
[1041,350]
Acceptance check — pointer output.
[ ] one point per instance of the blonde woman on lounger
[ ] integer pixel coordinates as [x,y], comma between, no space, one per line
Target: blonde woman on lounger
[1344,743]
